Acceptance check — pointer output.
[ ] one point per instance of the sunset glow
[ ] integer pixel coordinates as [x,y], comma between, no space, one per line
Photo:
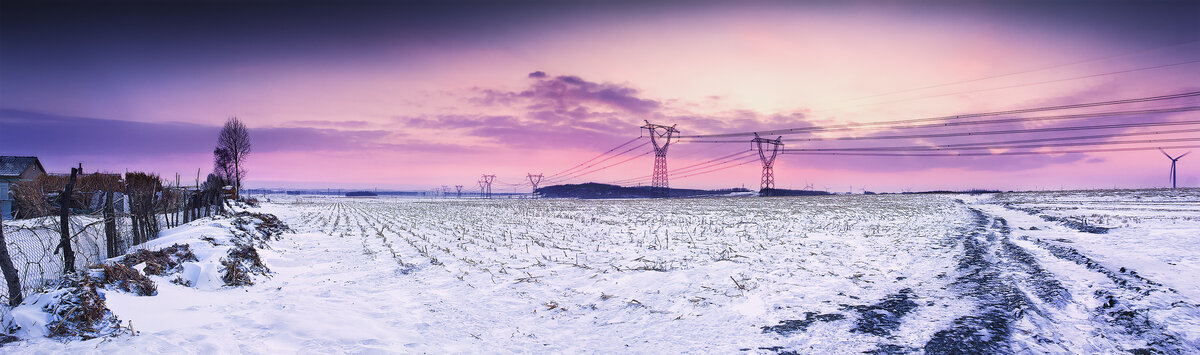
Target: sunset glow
[408,96]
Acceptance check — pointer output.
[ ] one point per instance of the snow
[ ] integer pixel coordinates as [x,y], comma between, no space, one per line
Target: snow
[844,274]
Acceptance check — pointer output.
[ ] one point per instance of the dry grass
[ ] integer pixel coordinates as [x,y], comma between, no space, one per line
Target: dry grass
[163,261]
[128,279]
[81,312]
[242,262]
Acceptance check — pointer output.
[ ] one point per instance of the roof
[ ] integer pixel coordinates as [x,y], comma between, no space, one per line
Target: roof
[12,167]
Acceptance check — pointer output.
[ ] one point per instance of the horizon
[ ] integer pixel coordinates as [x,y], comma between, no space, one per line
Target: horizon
[412,96]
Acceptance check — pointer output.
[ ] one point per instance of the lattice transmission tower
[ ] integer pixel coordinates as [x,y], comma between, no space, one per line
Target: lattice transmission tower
[534,180]
[661,136]
[767,156]
[458,189]
[486,184]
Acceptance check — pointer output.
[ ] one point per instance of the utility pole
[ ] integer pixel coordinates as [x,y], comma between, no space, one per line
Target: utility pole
[458,189]
[486,185]
[660,136]
[534,180]
[768,161]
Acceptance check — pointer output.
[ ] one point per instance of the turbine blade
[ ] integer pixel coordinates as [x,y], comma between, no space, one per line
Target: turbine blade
[1165,153]
[1184,154]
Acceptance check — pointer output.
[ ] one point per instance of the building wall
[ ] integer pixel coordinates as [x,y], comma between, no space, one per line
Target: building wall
[31,172]
[5,201]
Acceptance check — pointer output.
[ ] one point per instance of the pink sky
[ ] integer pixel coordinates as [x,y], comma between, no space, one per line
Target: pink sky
[405,109]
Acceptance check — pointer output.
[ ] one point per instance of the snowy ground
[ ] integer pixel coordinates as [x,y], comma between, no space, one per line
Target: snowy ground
[832,274]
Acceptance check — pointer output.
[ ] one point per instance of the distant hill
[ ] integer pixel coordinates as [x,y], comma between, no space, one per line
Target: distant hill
[593,190]
[786,192]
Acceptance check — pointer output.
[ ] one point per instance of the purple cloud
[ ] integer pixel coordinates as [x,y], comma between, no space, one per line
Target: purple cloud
[36,133]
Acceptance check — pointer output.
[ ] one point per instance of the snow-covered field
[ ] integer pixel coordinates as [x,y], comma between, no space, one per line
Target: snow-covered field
[831,274]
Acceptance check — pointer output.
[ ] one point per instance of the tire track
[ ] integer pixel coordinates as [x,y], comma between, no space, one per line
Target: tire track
[1010,289]
[1124,310]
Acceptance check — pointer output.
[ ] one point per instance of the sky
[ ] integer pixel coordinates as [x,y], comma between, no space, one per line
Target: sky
[419,95]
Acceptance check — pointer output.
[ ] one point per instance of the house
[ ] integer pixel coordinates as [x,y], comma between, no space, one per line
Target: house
[12,170]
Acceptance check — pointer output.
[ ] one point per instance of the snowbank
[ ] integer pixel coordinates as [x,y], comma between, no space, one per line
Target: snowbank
[207,255]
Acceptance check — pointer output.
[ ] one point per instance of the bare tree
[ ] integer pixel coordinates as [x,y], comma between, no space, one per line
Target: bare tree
[235,139]
[223,164]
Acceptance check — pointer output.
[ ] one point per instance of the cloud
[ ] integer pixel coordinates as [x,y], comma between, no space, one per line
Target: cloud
[571,112]
[34,133]
[568,93]
[325,123]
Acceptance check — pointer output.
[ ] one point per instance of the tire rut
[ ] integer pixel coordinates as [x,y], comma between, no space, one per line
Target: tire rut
[1125,309]
[1007,284]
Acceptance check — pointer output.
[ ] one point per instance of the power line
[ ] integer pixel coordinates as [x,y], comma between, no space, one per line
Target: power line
[994,154]
[1035,140]
[744,162]
[595,157]
[578,173]
[951,117]
[601,168]
[1003,120]
[733,156]
[982,147]
[1018,73]
[1032,84]
[996,132]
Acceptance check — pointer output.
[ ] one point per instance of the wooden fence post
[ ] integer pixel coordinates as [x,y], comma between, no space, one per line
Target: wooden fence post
[64,218]
[110,226]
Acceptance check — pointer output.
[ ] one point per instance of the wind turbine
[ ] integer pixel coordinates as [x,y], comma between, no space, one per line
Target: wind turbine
[1173,161]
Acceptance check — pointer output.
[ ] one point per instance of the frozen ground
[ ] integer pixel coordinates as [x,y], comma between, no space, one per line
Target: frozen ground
[834,274]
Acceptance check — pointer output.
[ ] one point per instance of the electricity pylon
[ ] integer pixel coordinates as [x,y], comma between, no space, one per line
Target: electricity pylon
[534,180]
[458,189]
[1173,161]
[487,184]
[660,136]
[768,161]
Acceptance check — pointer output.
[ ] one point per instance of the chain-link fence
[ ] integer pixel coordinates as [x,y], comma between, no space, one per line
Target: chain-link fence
[33,246]
[33,243]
